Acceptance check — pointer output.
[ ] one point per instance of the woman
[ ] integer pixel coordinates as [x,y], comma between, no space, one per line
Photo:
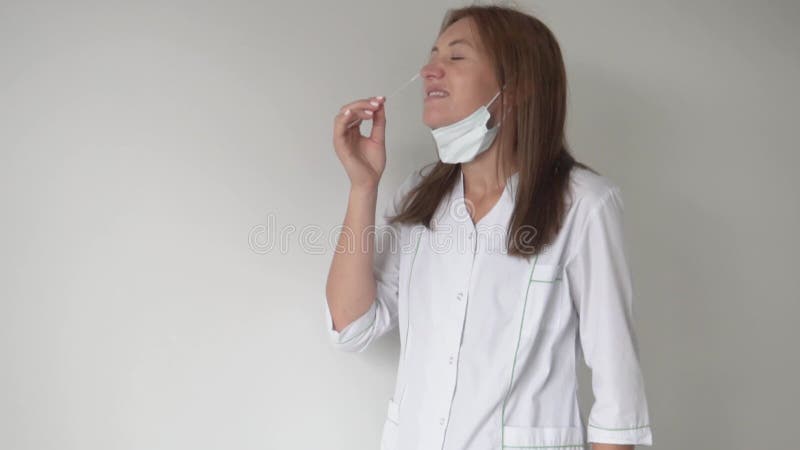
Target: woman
[510,264]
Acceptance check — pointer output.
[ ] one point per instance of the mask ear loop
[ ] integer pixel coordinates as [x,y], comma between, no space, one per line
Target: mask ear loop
[492,101]
[395,92]
[494,98]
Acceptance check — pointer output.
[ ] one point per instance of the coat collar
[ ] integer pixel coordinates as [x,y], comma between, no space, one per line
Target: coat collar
[500,212]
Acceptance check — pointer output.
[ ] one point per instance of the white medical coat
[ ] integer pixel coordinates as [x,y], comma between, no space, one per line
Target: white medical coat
[490,342]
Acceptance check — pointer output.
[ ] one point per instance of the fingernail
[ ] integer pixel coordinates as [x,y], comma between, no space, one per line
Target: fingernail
[373,103]
[369,113]
[347,112]
[380,97]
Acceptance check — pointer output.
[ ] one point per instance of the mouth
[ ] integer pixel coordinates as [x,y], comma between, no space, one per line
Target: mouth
[436,94]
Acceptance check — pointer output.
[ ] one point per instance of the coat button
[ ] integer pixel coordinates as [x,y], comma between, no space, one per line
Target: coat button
[458,296]
[441,421]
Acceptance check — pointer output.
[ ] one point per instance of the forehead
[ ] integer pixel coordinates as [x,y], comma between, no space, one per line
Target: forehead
[462,29]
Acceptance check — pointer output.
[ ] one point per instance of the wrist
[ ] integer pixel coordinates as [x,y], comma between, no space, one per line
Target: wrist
[364,190]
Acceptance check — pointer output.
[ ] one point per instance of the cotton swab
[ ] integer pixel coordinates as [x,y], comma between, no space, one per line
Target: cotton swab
[396,91]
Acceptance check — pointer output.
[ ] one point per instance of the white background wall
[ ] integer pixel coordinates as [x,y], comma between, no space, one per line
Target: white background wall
[141,143]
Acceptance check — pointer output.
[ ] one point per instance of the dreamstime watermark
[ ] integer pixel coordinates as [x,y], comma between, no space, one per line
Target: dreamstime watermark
[453,232]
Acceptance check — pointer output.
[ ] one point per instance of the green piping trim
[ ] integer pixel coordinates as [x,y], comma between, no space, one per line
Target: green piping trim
[619,429]
[514,364]
[547,281]
[545,446]
[408,313]
[408,290]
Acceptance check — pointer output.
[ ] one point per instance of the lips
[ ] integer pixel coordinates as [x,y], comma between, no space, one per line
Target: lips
[435,95]
[433,99]
[436,92]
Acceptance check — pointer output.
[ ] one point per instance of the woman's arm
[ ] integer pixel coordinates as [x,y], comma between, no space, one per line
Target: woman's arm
[611,447]
[601,288]
[350,288]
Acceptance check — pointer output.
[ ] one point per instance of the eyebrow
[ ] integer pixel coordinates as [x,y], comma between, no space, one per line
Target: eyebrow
[454,42]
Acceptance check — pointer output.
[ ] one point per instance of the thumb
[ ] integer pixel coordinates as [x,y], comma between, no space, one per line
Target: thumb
[378,133]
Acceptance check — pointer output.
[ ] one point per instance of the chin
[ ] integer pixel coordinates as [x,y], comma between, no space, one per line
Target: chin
[433,119]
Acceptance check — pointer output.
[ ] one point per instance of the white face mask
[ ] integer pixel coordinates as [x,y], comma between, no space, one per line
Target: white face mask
[462,141]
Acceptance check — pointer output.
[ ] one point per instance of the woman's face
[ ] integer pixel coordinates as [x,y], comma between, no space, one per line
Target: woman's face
[460,71]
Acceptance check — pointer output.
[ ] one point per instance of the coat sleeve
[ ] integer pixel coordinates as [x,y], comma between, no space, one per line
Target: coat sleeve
[382,315]
[601,290]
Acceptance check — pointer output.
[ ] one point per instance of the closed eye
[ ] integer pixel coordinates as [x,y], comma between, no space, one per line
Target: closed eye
[456,57]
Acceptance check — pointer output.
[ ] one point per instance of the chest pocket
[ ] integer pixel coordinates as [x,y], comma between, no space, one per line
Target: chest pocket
[544,292]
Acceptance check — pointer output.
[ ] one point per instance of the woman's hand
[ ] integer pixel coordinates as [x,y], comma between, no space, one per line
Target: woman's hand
[363,157]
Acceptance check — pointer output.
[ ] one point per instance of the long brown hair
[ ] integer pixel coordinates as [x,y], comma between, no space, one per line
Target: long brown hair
[527,59]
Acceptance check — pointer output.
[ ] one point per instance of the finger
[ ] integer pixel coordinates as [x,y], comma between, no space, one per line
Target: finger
[371,103]
[378,133]
[340,123]
[359,105]
[358,116]
[354,123]
[347,122]
[350,115]
[354,113]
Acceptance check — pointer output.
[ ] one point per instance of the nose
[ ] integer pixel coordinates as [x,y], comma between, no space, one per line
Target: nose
[433,69]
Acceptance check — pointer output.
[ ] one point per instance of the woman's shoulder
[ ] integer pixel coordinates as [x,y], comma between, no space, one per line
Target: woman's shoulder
[589,189]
